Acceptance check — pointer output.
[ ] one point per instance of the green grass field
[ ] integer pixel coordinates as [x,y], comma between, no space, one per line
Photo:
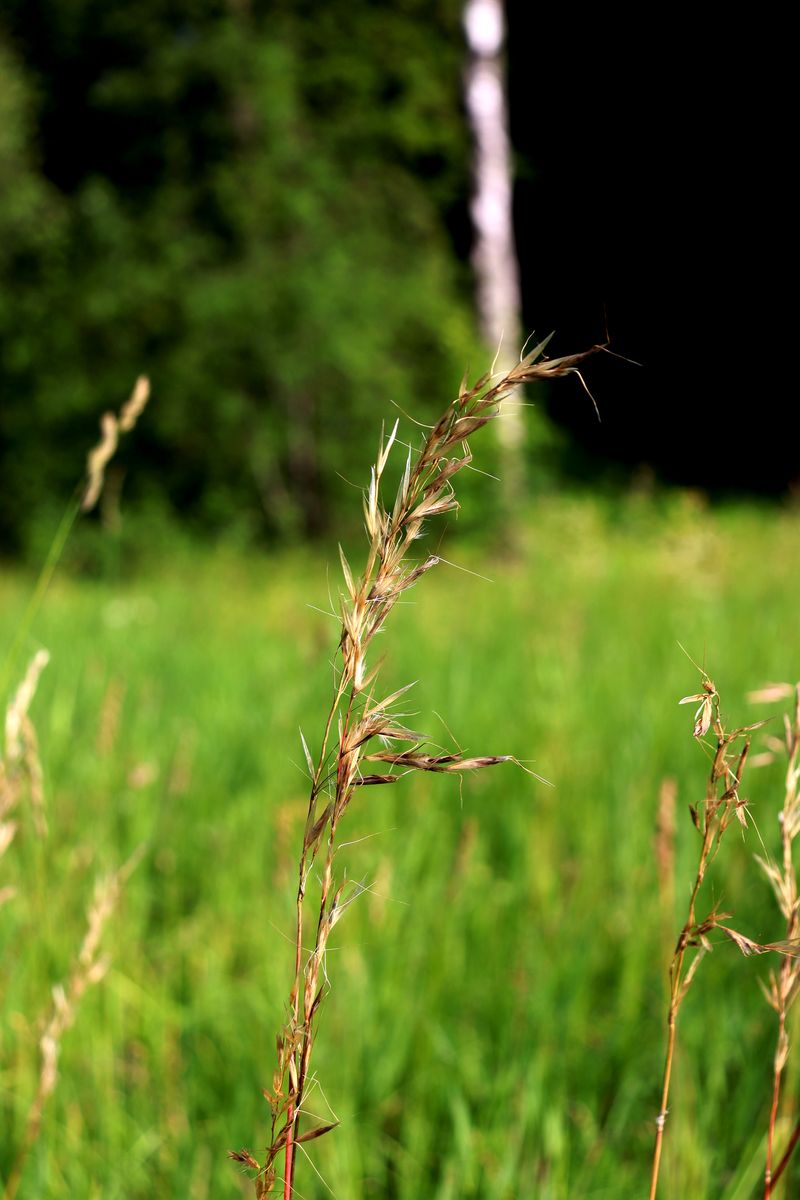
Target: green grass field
[496,1017]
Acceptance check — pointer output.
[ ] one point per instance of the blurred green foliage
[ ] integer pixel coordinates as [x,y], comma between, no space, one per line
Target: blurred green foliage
[247,201]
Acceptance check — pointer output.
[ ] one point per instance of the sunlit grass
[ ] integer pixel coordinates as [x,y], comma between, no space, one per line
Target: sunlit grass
[495,1027]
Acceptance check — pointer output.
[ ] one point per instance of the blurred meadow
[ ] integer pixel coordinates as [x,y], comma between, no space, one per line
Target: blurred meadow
[277,211]
[495,1022]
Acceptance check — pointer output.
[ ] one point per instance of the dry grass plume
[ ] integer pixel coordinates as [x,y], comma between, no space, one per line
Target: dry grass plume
[365,742]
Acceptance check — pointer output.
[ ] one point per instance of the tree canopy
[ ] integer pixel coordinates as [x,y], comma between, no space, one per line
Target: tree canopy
[263,204]
[248,201]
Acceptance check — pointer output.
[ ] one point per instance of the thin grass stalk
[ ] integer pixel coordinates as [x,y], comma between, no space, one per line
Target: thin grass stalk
[719,807]
[357,718]
[787,1154]
[783,985]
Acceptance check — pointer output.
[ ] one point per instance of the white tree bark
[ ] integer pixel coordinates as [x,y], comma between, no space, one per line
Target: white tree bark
[494,249]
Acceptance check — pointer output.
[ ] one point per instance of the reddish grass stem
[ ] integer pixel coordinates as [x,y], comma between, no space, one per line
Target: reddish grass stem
[783,1164]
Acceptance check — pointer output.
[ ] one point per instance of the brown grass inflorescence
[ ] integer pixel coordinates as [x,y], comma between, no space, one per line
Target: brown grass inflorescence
[359,716]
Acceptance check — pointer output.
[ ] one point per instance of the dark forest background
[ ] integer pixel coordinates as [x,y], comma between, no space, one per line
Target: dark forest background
[264,206]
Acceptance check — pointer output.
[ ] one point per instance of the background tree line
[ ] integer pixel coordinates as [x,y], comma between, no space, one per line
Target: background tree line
[263,204]
[250,203]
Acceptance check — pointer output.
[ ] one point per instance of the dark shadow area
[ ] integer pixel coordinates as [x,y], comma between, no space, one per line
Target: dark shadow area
[652,207]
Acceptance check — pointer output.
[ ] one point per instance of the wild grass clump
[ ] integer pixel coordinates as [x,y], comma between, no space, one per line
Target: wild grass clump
[359,718]
[721,807]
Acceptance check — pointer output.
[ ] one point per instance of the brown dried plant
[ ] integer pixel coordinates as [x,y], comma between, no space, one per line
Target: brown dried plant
[784,984]
[359,716]
[20,768]
[712,818]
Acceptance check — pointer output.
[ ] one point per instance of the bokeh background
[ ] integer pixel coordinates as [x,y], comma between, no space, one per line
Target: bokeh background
[265,206]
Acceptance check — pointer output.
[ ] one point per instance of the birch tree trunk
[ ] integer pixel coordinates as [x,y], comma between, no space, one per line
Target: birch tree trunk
[494,249]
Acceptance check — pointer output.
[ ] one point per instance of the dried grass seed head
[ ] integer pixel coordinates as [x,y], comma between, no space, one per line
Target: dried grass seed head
[111,426]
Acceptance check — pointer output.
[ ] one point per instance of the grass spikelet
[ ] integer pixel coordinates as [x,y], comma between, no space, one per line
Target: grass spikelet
[111,426]
[17,711]
[19,762]
[357,717]
[134,406]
